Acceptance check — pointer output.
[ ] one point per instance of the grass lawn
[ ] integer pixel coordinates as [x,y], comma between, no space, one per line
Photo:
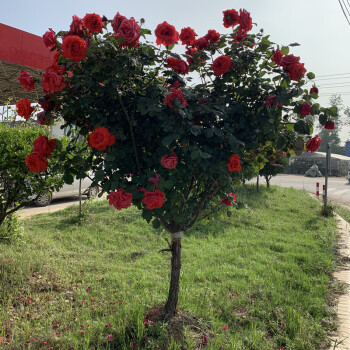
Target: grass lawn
[260,279]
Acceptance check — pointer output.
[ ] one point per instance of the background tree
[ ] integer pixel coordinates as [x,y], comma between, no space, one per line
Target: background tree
[331,136]
[276,164]
[19,185]
[173,148]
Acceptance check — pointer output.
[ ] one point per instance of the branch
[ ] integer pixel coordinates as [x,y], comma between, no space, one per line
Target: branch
[131,133]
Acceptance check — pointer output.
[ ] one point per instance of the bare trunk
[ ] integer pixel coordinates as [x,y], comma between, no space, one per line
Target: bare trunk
[173,296]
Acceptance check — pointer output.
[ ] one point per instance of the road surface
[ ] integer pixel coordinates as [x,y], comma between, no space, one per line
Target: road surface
[55,205]
[338,192]
[338,187]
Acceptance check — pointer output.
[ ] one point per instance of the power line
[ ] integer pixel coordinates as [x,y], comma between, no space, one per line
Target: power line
[331,84]
[346,8]
[343,11]
[331,75]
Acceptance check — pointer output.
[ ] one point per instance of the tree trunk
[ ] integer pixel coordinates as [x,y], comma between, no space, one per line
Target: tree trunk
[257,183]
[170,306]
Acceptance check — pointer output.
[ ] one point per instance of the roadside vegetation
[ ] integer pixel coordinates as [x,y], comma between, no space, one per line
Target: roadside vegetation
[260,279]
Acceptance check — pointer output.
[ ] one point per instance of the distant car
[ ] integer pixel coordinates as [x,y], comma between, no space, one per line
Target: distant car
[45,199]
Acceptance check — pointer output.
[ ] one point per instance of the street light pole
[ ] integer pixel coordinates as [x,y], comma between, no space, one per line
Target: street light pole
[328,161]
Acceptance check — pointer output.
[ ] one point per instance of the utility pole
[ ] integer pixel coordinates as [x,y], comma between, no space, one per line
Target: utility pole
[328,162]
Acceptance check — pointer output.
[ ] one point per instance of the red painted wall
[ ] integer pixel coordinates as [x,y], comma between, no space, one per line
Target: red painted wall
[22,48]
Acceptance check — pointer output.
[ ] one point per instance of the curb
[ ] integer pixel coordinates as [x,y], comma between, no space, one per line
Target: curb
[340,340]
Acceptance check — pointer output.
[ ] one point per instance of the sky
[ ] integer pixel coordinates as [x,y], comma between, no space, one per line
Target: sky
[319,26]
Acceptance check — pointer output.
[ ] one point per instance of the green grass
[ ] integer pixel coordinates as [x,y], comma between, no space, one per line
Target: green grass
[265,273]
[343,212]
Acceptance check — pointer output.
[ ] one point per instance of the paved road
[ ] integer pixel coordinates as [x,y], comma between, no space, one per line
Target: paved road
[338,188]
[338,192]
[55,205]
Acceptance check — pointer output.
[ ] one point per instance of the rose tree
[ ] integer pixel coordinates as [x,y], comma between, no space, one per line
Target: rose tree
[172,147]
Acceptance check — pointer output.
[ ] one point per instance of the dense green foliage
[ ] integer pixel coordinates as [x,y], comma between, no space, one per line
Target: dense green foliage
[17,184]
[125,88]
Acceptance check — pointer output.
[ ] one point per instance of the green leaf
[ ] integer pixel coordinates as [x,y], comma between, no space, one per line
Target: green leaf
[298,144]
[147,215]
[310,75]
[68,178]
[204,155]
[285,50]
[156,223]
[301,127]
[167,140]
[294,44]
[333,111]
[322,119]
[58,145]
[218,132]
[208,132]
[99,175]
[196,130]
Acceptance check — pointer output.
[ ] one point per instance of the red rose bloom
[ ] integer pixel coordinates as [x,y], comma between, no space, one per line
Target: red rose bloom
[100,138]
[270,100]
[117,21]
[175,94]
[43,146]
[153,199]
[222,65]
[169,161]
[288,60]
[230,18]
[46,104]
[93,23]
[178,65]
[295,71]
[191,51]
[330,125]
[201,43]
[234,163]
[129,30]
[305,109]
[26,81]
[52,80]
[213,36]
[154,180]
[77,26]
[187,36]
[244,20]
[240,35]
[313,144]
[226,201]
[120,199]
[23,108]
[42,118]
[166,34]
[35,162]
[277,57]
[73,48]
[314,90]
[49,38]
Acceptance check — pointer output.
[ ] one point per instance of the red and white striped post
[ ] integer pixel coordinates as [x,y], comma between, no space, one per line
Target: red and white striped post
[324,191]
[317,189]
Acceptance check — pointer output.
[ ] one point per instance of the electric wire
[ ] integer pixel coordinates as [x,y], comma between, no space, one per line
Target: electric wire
[343,11]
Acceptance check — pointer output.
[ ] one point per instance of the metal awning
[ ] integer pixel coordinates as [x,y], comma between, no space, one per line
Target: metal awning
[20,50]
